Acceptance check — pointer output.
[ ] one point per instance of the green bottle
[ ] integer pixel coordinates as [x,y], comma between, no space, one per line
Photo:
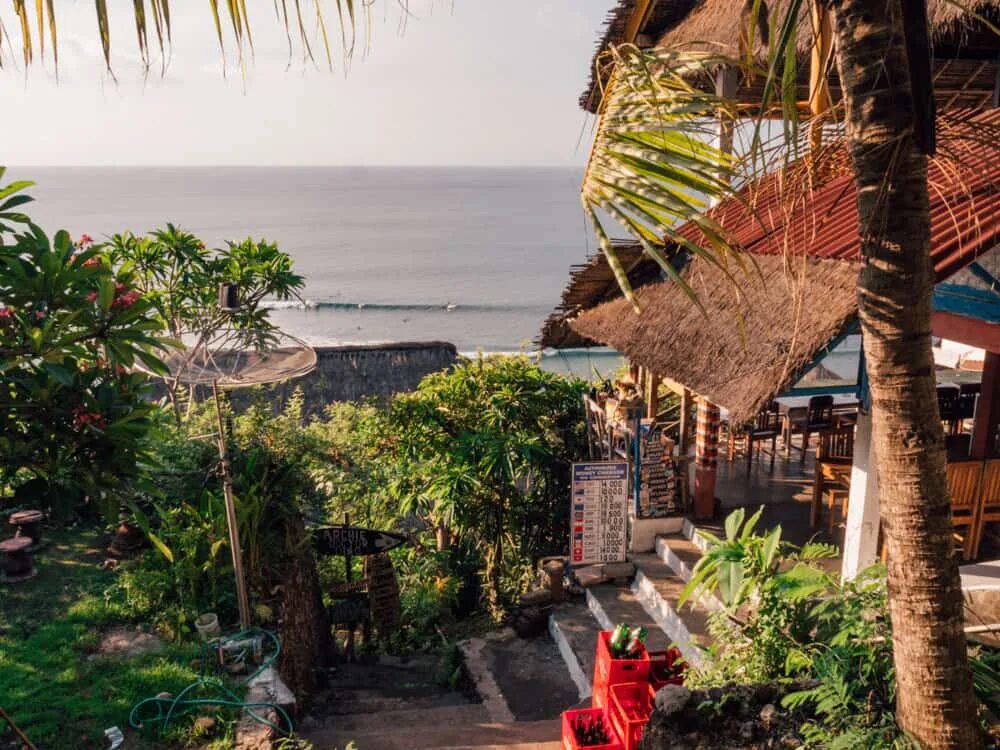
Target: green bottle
[618,640]
[637,638]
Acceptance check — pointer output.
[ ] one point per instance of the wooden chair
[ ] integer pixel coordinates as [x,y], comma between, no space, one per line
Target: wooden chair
[965,479]
[989,511]
[818,416]
[834,456]
[947,398]
[766,426]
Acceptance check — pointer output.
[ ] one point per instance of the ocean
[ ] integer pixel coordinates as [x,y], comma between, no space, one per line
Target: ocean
[474,256]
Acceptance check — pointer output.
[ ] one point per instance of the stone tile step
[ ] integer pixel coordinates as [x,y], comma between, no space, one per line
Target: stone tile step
[346,702]
[366,723]
[680,553]
[614,604]
[521,735]
[658,590]
[574,629]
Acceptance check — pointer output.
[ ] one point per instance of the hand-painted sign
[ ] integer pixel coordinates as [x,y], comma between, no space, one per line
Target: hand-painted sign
[598,512]
[384,594]
[350,540]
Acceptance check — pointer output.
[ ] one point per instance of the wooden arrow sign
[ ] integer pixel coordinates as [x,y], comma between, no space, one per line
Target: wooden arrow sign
[350,540]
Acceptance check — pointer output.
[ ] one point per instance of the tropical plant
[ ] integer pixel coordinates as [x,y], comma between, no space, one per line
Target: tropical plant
[486,451]
[783,616]
[882,54]
[73,414]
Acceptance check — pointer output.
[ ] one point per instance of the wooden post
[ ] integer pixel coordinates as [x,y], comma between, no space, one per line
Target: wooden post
[988,409]
[242,596]
[685,426]
[861,525]
[819,88]
[727,82]
[706,454]
[348,577]
[653,401]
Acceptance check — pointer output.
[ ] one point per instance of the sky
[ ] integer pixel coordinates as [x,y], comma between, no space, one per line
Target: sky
[468,82]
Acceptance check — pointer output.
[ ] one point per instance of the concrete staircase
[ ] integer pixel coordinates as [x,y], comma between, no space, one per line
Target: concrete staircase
[650,601]
[400,706]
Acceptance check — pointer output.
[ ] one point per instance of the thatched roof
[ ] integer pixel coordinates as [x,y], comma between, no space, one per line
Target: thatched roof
[590,284]
[757,336]
[660,16]
[716,25]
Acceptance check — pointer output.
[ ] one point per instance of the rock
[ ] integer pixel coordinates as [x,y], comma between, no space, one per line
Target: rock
[535,598]
[768,713]
[671,699]
[203,726]
[128,642]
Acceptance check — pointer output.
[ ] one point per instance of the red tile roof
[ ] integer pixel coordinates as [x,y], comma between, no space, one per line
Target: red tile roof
[822,222]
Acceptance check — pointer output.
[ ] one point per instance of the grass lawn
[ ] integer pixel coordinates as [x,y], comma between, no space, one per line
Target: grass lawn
[55,686]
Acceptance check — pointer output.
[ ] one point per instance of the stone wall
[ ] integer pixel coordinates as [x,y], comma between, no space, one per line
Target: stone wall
[356,372]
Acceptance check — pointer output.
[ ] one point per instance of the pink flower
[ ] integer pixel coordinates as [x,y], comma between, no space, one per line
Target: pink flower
[94,260]
[92,297]
[39,315]
[6,313]
[86,239]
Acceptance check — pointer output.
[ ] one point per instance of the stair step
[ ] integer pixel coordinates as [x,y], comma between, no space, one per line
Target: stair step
[680,553]
[363,723]
[614,604]
[366,701]
[519,735]
[658,590]
[574,629]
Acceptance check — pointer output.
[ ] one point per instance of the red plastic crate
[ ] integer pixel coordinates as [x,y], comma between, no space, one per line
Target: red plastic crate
[629,711]
[608,671]
[666,668]
[569,718]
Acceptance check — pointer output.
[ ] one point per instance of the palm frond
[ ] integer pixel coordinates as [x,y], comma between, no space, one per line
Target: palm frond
[231,20]
[652,166]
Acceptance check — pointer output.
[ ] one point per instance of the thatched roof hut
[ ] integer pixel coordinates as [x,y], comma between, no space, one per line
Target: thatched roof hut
[753,339]
[804,239]
[965,48]
[590,284]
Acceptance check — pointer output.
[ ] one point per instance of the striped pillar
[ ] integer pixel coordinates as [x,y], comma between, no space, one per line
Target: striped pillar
[706,454]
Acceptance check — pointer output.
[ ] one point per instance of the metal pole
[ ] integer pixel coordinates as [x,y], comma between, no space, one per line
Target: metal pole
[242,597]
[349,648]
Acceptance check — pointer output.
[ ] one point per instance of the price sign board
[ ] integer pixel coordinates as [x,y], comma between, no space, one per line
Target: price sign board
[599,512]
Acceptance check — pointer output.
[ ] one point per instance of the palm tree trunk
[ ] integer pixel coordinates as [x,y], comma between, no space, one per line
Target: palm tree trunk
[935,703]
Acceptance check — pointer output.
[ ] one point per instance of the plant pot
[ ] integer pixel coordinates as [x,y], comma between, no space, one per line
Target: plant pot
[207,626]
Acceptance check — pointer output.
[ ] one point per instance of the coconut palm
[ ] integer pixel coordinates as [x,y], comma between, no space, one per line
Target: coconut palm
[641,177]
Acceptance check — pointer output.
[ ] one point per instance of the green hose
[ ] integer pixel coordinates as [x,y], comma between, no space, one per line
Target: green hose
[167,708]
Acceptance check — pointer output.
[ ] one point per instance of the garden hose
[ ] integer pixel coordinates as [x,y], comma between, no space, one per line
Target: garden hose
[167,708]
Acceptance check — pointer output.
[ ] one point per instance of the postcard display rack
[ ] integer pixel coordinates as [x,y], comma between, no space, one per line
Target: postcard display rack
[623,697]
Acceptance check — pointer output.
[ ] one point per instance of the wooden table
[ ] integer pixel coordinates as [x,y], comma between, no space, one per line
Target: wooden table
[829,474]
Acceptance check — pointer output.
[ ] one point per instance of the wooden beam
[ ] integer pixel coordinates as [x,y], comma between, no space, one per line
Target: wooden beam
[820,101]
[727,82]
[638,19]
[977,333]
[685,426]
[987,408]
